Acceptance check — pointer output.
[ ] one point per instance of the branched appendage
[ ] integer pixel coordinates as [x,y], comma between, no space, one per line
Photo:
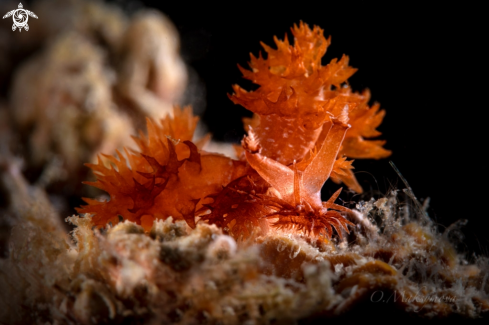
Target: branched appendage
[296,98]
[299,205]
[169,176]
[250,143]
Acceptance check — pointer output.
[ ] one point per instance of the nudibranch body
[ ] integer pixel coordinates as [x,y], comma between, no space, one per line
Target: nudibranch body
[307,122]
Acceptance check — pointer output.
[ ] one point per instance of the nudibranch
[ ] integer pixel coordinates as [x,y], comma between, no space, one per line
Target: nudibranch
[297,96]
[169,176]
[307,122]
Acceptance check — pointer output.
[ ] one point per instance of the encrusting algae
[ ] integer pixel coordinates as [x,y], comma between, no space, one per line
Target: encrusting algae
[193,237]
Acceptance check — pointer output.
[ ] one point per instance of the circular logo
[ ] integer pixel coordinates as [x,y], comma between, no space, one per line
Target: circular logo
[20,18]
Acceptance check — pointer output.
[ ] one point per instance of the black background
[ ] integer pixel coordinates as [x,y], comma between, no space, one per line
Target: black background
[427,66]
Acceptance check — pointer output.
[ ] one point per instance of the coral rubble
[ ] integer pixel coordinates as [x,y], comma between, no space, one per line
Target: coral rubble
[175,274]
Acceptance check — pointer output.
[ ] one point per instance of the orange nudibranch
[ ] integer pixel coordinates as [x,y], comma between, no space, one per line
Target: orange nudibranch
[169,176]
[306,122]
[298,97]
